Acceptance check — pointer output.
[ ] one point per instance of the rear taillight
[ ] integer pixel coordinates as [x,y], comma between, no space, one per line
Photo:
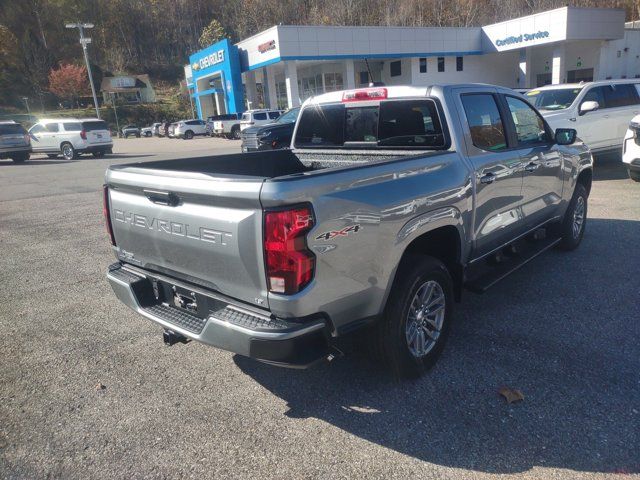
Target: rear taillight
[364,94]
[83,135]
[106,213]
[290,264]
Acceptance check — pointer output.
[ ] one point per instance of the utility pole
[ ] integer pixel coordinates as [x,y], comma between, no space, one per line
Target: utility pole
[84,41]
[115,111]
[26,102]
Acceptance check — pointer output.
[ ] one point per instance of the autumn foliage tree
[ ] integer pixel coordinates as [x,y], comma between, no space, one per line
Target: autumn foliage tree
[68,82]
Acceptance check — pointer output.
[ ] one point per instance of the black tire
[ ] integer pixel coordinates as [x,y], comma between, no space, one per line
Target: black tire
[390,342]
[571,237]
[68,152]
[98,154]
[52,155]
[20,158]
[188,135]
[235,132]
[635,176]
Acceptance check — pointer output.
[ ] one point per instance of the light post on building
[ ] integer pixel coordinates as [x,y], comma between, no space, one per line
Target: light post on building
[26,102]
[84,41]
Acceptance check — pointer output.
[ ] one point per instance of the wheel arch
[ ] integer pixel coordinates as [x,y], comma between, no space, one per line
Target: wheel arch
[585,178]
[439,234]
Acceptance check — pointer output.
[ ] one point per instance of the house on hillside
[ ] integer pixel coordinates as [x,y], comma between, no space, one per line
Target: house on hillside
[128,89]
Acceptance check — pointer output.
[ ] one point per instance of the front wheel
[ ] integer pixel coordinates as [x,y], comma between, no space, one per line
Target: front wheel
[68,152]
[635,176]
[188,135]
[410,336]
[571,230]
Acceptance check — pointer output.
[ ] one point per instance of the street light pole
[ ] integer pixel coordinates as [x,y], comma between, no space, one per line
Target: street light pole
[26,102]
[84,41]
[115,111]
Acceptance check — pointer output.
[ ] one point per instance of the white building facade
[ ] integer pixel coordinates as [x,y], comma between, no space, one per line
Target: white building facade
[282,66]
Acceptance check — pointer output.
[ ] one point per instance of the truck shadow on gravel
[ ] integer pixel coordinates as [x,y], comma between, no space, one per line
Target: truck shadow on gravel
[563,330]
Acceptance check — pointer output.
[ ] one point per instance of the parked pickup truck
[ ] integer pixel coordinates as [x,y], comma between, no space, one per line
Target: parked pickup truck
[390,203]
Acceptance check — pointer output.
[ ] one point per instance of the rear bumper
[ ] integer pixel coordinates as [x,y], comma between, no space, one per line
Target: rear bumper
[227,326]
[8,152]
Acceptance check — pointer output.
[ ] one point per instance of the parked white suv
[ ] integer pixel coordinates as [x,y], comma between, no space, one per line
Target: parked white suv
[600,111]
[187,129]
[631,149]
[252,118]
[71,137]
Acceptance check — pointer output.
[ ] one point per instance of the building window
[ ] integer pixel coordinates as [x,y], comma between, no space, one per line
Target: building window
[396,68]
[459,64]
[423,65]
[441,64]
[364,78]
[333,81]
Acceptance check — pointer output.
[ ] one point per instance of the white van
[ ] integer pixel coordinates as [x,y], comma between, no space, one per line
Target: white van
[71,137]
[600,111]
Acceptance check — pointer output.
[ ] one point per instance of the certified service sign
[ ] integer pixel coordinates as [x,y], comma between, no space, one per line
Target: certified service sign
[525,37]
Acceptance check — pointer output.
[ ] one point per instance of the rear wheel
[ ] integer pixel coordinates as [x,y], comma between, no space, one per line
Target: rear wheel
[68,152]
[235,132]
[188,135]
[571,230]
[20,158]
[410,336]
[635,176]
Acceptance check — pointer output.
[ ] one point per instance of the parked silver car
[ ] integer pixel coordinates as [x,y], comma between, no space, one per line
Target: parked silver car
[14,142]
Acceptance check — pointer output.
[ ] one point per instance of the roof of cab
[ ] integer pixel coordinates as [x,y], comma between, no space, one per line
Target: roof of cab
[405,91]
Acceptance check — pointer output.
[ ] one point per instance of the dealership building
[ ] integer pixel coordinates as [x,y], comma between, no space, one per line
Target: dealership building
[284,65]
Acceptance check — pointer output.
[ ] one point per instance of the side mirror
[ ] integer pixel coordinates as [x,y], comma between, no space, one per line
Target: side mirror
[589,106]
[566,136]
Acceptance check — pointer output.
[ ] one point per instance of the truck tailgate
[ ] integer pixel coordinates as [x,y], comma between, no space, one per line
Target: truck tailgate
[191,226]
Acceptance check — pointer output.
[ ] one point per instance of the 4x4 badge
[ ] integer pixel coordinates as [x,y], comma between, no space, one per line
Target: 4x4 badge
[339,233]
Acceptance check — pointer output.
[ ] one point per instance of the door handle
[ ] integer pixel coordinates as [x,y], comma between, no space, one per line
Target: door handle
[162,198]
[488,178]
[532,167]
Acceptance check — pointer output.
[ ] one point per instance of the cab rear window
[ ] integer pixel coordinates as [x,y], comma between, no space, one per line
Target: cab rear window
[392,123]
[94,125]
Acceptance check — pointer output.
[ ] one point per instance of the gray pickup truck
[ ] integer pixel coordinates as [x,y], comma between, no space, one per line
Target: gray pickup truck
[390,203]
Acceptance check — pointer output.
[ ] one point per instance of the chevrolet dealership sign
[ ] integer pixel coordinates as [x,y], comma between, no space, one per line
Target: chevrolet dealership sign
[208,61]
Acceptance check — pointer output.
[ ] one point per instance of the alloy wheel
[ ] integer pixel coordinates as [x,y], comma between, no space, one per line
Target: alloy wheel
[425,318]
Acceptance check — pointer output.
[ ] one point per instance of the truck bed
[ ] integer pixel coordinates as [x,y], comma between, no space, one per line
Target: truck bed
[277,163]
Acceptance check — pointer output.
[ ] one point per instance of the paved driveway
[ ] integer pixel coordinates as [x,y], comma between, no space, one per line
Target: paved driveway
[564,330]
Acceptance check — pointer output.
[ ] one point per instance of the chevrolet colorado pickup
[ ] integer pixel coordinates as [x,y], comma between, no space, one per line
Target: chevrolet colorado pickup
[389,204]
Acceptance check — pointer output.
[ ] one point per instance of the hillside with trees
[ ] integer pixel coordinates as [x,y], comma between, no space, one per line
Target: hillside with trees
[156,36]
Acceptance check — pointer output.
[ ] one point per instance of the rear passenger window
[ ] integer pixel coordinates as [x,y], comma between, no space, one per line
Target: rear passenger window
[621,95]
[260,116]
[72,127]
[52,127]
[485,123]
[529,125]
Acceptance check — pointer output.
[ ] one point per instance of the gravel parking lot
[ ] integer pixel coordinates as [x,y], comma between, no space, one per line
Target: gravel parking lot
[88,390]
